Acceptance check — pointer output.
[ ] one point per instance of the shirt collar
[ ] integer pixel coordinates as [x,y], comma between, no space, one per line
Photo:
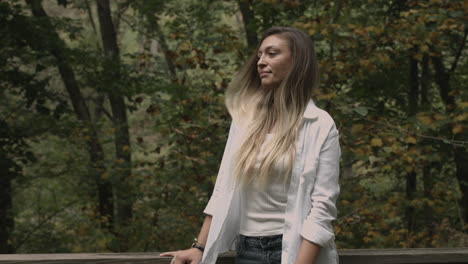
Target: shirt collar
[311,110]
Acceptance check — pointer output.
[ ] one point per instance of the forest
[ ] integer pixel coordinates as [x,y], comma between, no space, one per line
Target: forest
[113,123]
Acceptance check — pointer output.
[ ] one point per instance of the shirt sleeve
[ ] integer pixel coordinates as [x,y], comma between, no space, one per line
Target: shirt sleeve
[220,184]
[317,227]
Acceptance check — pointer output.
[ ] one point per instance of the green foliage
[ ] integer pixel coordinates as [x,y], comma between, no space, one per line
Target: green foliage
[178,122]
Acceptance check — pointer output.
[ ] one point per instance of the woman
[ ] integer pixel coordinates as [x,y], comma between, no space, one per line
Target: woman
[277,186]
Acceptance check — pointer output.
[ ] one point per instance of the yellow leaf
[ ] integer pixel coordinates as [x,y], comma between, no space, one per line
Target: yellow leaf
[376,142]
[77,249]
[439,117]
[457,129]
[464,104]
[425,119]
[410,139]
[326,96]
[101,243]
[105,176]
[424,48]
[461,117]
[356,128]
[364,62]
[383,58]
[409,159]
[418,56]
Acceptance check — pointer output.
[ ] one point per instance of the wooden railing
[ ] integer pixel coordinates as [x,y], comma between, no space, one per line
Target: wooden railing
[347,256]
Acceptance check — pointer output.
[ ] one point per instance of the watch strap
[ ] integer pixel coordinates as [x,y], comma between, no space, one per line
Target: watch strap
[198,246]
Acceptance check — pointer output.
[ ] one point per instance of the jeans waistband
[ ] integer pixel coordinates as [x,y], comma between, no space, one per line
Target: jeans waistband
[261,241]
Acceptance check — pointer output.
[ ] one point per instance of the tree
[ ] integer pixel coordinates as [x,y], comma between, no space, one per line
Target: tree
[119,116]
[57,48]
[112,130]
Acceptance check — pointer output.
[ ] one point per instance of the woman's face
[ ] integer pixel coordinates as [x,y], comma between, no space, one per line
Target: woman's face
[274,59]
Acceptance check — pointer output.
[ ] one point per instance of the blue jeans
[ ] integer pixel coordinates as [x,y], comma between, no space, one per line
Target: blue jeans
[259,250]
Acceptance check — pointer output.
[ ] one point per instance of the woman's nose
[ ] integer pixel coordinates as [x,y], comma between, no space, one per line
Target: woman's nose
[261,61]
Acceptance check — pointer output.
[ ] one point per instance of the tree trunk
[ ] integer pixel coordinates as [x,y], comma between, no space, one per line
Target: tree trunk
[249,23]
[411,180]
[6,214]
[425,83]
[443,81]
[460,154]
[6,176]
[119,115]
[461,161]
[430,168]
[413,92]
[165,49]
[96,153]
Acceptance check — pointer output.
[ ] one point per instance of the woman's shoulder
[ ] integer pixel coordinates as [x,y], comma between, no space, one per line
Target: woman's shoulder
[315,114]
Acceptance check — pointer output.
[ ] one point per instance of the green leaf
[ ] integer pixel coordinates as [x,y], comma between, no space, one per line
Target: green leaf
[361,110]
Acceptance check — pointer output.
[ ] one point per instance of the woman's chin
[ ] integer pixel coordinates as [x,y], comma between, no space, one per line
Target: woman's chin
[268,85]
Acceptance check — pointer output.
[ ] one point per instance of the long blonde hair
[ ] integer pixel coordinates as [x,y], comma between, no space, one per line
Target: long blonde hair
[280,110]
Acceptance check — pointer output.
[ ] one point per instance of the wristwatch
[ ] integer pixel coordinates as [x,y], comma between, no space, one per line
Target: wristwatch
[198,246]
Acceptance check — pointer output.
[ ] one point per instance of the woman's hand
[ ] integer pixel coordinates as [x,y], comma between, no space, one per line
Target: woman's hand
[190,256]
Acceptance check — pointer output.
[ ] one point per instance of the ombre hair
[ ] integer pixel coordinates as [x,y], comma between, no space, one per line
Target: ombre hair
[278,111]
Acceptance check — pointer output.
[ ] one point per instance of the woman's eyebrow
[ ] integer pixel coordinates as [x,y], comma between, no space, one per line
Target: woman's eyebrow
[267,49]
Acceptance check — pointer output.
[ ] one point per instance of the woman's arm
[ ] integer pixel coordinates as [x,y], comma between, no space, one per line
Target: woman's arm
[308,252]
[192,255]
[203,235]
[317,230]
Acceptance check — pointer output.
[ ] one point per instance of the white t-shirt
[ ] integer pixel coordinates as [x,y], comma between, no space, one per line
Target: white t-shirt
[263,213]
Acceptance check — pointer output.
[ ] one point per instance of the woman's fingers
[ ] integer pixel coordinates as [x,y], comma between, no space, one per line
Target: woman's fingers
[166,254]
[176,257]
[170,254]
[182,256]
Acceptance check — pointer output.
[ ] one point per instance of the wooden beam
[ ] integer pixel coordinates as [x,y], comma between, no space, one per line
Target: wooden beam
[347,256]
[404,256]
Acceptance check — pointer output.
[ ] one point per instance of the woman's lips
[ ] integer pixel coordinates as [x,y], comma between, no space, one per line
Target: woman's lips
[264,74]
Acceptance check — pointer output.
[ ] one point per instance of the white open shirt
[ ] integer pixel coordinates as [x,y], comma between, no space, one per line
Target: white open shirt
[312,193]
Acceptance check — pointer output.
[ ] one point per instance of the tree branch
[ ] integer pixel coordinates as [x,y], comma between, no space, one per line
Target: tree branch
[459,52]
[31,232]
[456,143]
[91,18]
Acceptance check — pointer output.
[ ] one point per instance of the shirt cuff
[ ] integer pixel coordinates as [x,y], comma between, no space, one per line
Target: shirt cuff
[317,234]
[210,207]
